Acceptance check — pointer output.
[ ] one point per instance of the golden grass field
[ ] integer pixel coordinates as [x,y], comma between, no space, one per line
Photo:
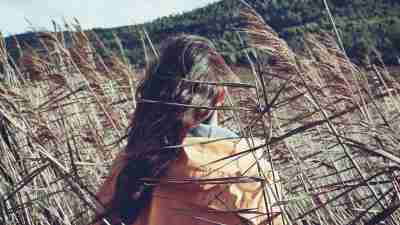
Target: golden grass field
[330,128]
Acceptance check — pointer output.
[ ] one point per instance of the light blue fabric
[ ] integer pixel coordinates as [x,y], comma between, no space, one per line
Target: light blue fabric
[205,130]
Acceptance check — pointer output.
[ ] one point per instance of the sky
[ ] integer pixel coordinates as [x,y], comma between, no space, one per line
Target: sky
[19,16]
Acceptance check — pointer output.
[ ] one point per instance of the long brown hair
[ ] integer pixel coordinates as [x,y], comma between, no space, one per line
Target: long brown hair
[176,94]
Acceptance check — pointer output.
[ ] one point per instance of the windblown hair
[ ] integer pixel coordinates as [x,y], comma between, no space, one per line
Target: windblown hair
[176,94]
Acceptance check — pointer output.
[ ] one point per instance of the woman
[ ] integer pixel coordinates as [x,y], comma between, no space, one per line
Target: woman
[165,177]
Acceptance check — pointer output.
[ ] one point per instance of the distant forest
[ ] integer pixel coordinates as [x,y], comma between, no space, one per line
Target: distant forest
[369,28]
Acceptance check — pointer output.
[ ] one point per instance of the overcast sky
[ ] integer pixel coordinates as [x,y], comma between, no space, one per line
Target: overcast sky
[91,13]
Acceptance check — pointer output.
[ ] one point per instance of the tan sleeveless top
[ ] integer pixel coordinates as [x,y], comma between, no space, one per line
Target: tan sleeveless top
[202,189]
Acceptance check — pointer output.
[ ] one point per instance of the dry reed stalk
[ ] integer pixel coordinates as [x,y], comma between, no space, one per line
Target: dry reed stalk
[334,142]
[53,170]
[332,105]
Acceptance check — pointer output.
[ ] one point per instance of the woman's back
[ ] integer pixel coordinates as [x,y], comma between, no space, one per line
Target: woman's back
[164,177]
[199,189]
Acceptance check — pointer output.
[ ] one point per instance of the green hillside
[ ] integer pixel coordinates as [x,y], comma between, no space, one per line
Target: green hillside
[365,25]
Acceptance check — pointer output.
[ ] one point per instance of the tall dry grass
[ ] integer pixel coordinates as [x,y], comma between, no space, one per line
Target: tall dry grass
[64,112]
[328,128]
